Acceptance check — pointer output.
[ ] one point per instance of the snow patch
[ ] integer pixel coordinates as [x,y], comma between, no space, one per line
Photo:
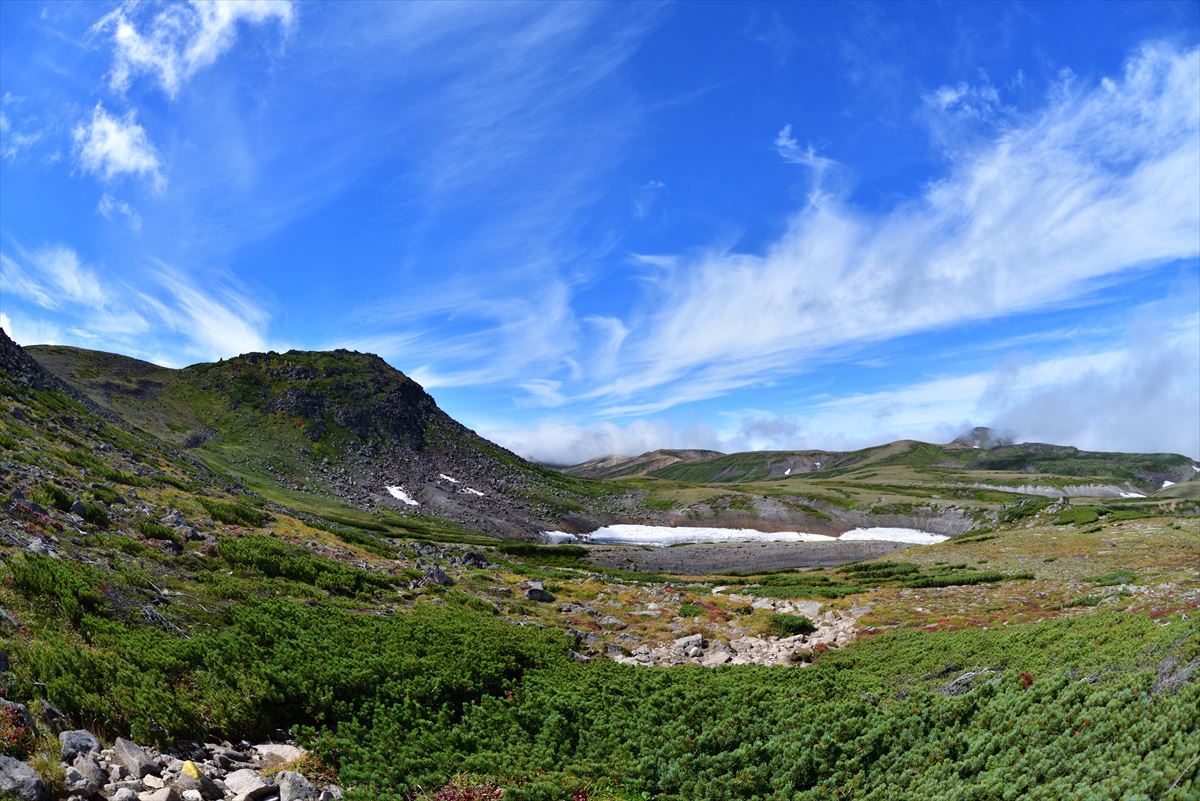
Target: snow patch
[787,472]
[910,535]
[473,491]
[660,536]
[1168,484]
[445,477]
[1132,494]
[399,494]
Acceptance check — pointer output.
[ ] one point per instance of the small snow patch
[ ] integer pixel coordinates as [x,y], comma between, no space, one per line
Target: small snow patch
[445,477]
[1168,484]
[473,491]
[1132,495]
[787,472]
[399,494]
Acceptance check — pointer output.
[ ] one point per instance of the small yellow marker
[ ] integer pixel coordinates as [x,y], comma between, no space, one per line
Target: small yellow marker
[189,769]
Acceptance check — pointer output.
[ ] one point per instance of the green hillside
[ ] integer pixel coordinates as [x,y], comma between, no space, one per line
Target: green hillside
[166,593]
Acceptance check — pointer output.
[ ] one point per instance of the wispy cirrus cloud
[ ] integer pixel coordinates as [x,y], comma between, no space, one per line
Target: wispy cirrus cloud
[73,302]
[1100,182]
[111,207]
[171,42]
[109,147]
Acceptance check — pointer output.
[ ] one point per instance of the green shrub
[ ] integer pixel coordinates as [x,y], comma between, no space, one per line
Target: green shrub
[544,554]
[1079,515]
[1114,578]
[95,514]
[278,559]
[236,514]
[106,494]
[789,625]
[690,610]
[49,494]
[156,531]
[66,590]
[1084,600]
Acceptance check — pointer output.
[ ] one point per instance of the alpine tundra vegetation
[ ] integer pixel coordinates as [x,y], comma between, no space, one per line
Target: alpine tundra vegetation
[599,401]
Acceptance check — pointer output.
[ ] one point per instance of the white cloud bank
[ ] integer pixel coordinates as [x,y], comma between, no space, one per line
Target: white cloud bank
[1142,396]
[177,40]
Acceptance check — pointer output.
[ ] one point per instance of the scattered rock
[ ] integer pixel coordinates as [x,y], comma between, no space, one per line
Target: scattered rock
[161,794]
[274,755]
[612,622]
[435,575]
[536,591]
[294,787]
[247,785]
[77,742]
[135,759]
[21,782]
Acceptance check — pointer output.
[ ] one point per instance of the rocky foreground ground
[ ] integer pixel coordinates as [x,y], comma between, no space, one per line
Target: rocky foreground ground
[187,772]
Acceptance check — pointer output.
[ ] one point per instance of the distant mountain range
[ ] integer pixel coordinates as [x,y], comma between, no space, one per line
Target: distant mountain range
[981,449]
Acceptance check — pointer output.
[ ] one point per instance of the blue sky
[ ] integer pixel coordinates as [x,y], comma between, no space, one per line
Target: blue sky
[594,228]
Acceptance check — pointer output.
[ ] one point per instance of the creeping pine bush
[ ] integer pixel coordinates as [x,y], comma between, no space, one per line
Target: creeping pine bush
[790,625]
[49,494]
[238,513]
[401,704]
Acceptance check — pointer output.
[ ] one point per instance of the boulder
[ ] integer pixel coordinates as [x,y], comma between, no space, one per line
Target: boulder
[74,743]
[54,718]
[274,755]
[612,622]
[124,794]
[536,591]
[294,787]
[77,784]
[690,641]
[87,766]
[135,759]
[435,575]
[21,782]
[161,794]
[247,785]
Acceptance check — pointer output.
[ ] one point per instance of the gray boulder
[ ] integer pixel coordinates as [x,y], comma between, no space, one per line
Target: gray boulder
[612,622]
[536,591]
[77,742]
[135,759]
[294,787]
[435,575]
[247,785]
[21,782]
[161,794]
[88,772]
